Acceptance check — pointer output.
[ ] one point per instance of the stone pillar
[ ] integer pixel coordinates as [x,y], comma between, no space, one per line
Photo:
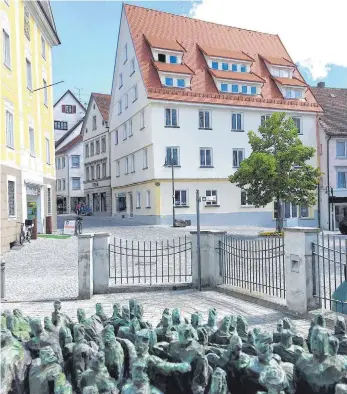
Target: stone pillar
[211,275]
[85,266]
[101,262]
[298,268]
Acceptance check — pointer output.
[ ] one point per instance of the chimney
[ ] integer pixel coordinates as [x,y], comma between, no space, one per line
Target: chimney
[321,85]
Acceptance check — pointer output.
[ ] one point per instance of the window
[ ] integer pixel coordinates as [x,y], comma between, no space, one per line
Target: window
[181,83]
[26,23]
[49,199]
[205,157]
[125,52]
[172,156]
[341,178]
[119,107]
[304,211]
[103,144]
[132,66]
[87,174]
[6,49]
[116,137]
[224,87]
[145,159]
[11,196]
[29,75]
[130,127]
[75,161]
[125,131]
[57,163]
[225,66]
[68,109]
[120,80]
[297,122]
[237,122]
[97,147]
[126,102]
[138,200]
[117,168]
[32,141]
[244,198]
[76,183]
[211,197]
[64,184]
[142,119]
[9,130]
[204,119]
[132,163]
[59,184]
[341,151]
[234,67]
[98,171]
[292,93]
[215,65]
[135,93]
[48,152]
[60,125]
[264,118]
[63,162]
[92,172]
[104,170]
[253,90]
[92,149]
[168,81]
[43,47]
[94,122]
[173,59]
[126,165]
[181,198]
[148,198]
[162,57]
[234,88]
[243,68]
[237,157]
[45,93]
[244,89]
[86,150]
[171,117]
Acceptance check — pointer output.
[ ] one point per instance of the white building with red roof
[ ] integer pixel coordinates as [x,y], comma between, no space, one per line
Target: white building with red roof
[186,92]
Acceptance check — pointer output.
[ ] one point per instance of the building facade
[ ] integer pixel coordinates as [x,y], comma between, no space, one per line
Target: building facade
[70,170]
[27,172]
[68,111]
[333,155]
[183,103]
[96,140]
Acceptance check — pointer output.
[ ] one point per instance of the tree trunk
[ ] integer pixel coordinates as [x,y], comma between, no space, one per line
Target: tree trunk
[279,216]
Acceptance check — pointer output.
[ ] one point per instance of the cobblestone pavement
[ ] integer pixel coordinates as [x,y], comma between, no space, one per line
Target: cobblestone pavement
[154,303]
[47,268]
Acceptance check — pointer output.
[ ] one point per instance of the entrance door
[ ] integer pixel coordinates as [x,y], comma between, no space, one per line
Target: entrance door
[131,205]
[340,213]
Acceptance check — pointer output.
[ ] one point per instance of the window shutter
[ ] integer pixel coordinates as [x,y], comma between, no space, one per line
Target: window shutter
[63,108]
[74,109]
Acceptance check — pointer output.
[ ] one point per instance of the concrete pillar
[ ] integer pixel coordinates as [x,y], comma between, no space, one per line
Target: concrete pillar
[211,275]
[298,268]
[101,262]
[85,266]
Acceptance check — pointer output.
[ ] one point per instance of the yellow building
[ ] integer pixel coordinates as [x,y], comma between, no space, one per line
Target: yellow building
[27,171]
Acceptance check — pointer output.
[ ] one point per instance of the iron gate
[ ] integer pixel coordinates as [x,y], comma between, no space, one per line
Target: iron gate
[255,264]
[151,262]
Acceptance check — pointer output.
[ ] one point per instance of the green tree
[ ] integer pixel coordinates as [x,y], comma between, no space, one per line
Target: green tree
[277,168]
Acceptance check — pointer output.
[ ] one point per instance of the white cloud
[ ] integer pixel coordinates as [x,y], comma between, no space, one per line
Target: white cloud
[313,31]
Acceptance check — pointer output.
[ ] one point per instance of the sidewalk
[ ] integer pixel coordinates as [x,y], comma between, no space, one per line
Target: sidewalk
[154,303]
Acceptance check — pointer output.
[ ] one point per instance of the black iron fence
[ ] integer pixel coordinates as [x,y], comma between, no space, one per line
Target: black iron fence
[328,270]
[254,264]
[151,262]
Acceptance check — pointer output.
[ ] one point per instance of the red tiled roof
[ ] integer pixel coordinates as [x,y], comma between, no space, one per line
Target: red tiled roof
[225,53]
[190,32]
[70,145]
[173,68]
[289,81]
[237,76]
[278,61]
[103,102]
[162,43]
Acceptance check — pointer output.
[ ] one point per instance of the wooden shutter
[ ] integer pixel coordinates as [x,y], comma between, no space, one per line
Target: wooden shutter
[74,109]
[63,108]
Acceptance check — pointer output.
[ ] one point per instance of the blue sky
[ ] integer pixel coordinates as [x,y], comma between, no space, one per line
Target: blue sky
[88,31]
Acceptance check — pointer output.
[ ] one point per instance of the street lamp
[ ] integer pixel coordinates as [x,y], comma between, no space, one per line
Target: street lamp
[173,184]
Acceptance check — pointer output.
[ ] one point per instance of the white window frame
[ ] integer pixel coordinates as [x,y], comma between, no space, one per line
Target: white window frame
[119,107]
[45,93]
[118,168]
[204,119]
[43,47]
[59,184]
[79,161]
[238,160]
[211,203]
[130,127]
[11,179]
[142,119]
[145,159]
[132,66]
[32,141]
[86,150]
[120,81]
[138,200]
[104,170]
[64,184]
[94,123]
[126,166]
[125,131]
[126,99]
[211,153]
[48,151]
[345,144]
[49,200]
[125,53]
[344,171]
[187,198]
[116,137]
[264,118]
[92,151]
[6,48]
[135,93]
[242,122]
[97,146]
[171,155]
[29,75]
[299,118]
[132,163]
[63,162]
[72,183]
[98,171]
[9,119]
[92,172]
[247,204]
[87,174]
[148,199]
[103,144]
[177,118]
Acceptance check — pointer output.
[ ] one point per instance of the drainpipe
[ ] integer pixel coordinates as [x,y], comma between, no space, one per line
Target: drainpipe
[68,183]
[328,179]
[319,166]
[109,162]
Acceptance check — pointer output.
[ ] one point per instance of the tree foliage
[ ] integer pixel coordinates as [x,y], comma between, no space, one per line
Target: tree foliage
[277,168]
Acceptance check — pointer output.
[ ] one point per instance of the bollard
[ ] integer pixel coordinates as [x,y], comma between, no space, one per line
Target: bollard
[3,279]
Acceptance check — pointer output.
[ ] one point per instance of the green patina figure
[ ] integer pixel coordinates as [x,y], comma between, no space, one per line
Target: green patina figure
[340,334]
[176,317]
[59,318]
[222,336]
[248,347]
[219,382]
[50,328]
[318,321]
[62,386]
[297,339]
[125,320]
[196,320]
[114,354]
[139,317]
[99,316]
[132,306]
[66,344]
[18,325]
[129,332]
[116,318]
[166,311]
[92,332]
[242,328]
[166,332]
[286,349]
[90,390]
[274,380]
[277,333]
[211,326]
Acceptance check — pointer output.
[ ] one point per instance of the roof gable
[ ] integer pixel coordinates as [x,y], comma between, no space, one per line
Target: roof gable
[69,132]
[103,102]
[73,96]
[69,145]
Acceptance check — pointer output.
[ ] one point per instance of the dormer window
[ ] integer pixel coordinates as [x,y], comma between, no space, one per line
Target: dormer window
[173,59]
[225,66]
[243,69]
[181,83]
[224,87]
[168,81]
[234,67]
[175,82]
[215,65]
[234,88]
[293,93]
[162,57]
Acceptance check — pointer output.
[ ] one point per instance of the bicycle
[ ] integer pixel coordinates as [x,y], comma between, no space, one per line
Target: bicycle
[26,231]
[79,222]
